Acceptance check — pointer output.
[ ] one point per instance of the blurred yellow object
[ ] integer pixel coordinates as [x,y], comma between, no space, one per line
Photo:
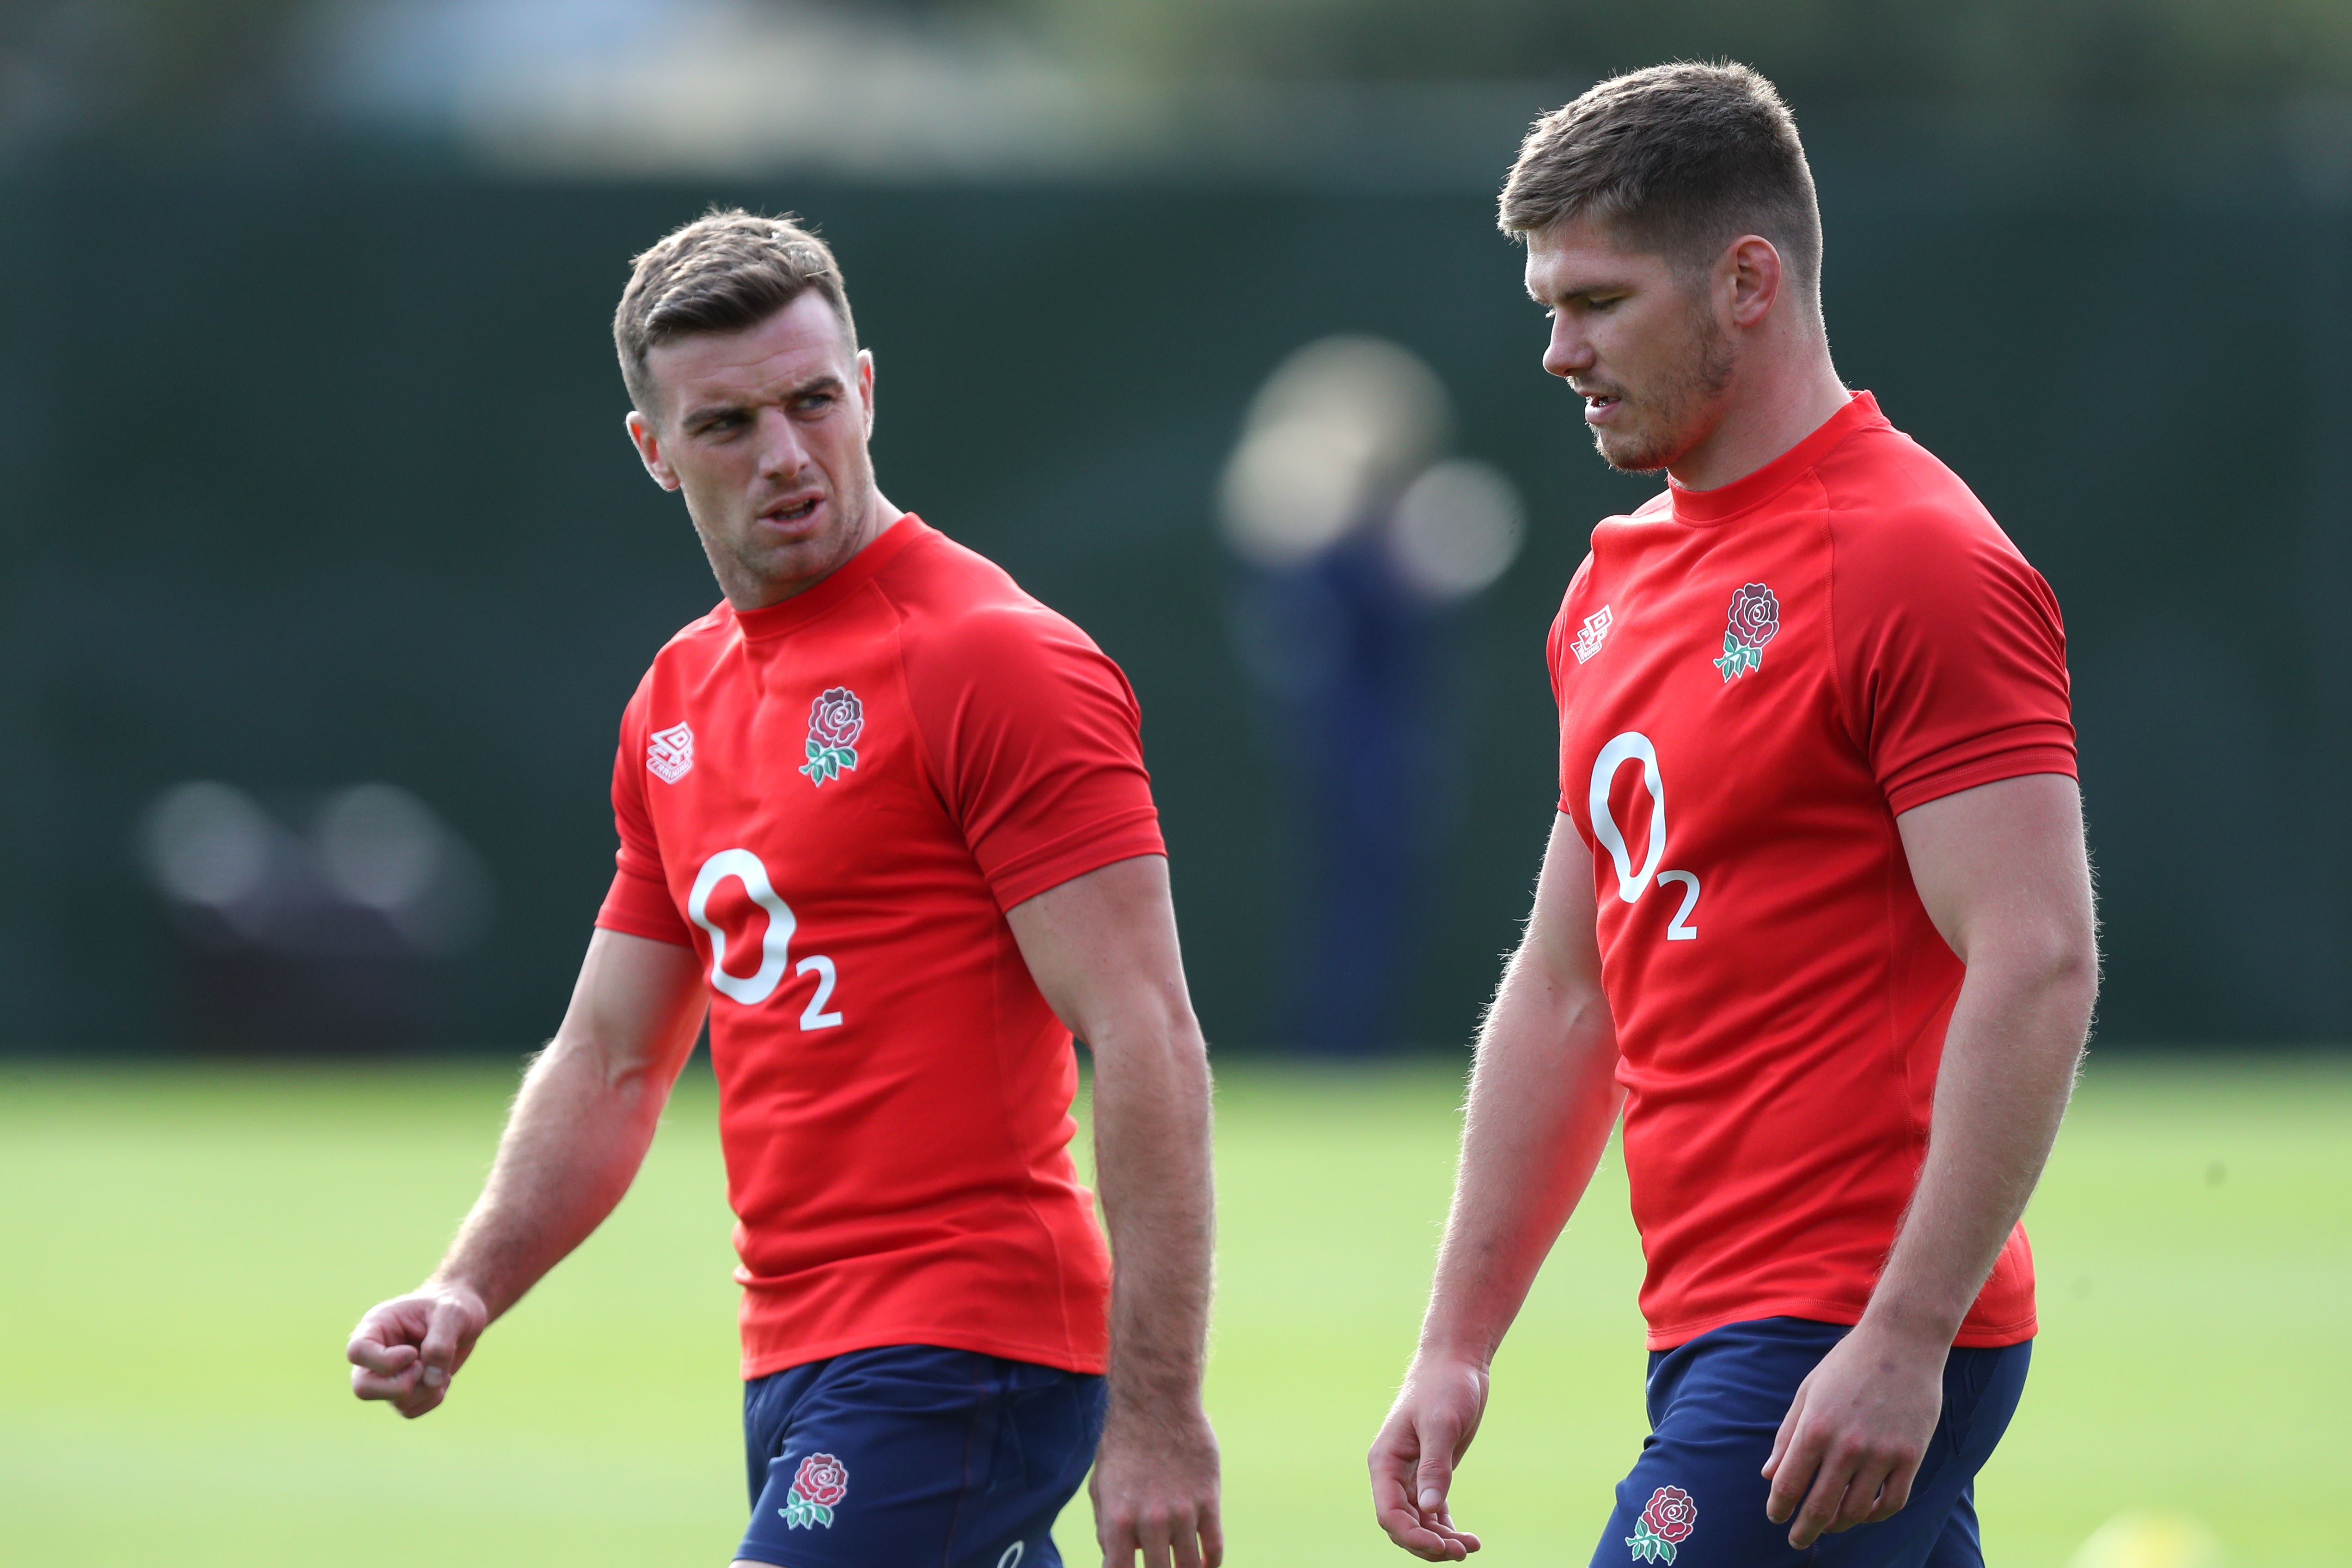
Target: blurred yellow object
[2149,1540]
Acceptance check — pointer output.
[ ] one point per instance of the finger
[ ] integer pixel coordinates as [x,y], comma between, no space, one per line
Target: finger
[367,1384]
[1861,1500]
[1781,1438]
[1184,1541]
[1153,1534]
[1897,1492]
[1393,1511]
[376,1357]
[1791,1471]
[1821,1503]
[1212,1535]
[439,1351]
[1434,1477]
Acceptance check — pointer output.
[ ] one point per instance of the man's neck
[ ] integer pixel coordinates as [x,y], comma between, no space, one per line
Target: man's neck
[1765,417]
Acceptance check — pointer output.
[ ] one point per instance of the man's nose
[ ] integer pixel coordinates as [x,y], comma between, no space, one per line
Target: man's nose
[1570,352]
[781,451]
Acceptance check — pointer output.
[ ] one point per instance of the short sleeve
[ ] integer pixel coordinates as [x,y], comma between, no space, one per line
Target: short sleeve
[1556,659]
[638,903]
[1951,656]
[1037,742]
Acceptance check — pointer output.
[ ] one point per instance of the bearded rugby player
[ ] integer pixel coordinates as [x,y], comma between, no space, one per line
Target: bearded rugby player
[1815,914]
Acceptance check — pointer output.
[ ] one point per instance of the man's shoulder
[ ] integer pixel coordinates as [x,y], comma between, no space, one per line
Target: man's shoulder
[1880,484]
[954,606]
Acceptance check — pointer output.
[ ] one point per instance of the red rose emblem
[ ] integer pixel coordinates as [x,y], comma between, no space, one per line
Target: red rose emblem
[837,718]
[821,1478]
[1671,1514]
[1755,615]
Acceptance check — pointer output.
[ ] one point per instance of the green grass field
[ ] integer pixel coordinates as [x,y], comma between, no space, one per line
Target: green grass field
[183,1251]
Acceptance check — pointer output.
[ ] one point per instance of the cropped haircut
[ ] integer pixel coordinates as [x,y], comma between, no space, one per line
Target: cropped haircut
[1678,159]
[723,272]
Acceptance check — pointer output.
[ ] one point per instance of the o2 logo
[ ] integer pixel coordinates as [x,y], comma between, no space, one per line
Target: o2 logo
[775,944]
[1634,746]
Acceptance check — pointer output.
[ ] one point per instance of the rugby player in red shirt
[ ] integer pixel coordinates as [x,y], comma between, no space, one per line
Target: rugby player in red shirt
[1815,914]
[884,819]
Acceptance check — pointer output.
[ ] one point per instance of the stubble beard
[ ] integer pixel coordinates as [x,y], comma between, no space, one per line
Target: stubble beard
[1677,413]
[768,577]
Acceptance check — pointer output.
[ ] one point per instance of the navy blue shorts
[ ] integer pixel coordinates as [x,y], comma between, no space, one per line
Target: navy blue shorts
[1715,1404]
[913,1457]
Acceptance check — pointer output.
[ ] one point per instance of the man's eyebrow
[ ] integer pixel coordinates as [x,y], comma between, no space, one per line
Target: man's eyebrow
[703,413]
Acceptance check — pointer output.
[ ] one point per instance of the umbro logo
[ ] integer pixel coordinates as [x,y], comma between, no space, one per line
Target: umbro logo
[670,755]
[1596,628]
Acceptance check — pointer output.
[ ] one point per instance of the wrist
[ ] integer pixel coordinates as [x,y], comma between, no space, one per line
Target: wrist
[1454,1350]
[1907,1328]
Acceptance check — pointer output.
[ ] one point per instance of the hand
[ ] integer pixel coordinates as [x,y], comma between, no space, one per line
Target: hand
[1428,1430]
[1855,1433]
[1154,1488]
[406,1349]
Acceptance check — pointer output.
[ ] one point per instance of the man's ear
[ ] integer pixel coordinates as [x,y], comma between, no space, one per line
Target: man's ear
[866,385]
[643,436]
[1755,275]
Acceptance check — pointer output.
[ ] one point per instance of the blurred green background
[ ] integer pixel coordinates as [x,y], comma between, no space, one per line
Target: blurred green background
[315,480]
[188,1248]
[317,475]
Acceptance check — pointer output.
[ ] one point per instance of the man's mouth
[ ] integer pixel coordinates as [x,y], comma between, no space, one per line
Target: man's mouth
[793,511]
[1597,404]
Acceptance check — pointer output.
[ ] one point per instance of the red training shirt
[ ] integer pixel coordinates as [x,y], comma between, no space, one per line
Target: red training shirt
[1753,682]
[833,800]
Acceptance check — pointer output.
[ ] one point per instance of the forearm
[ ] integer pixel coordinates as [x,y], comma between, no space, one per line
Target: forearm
[1151,1122]
[1542,1099]
[578,1131]
[2010,1058]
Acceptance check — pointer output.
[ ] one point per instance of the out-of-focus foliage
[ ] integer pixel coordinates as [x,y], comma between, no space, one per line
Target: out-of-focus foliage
[143,72]
[179,76]
[2150,51]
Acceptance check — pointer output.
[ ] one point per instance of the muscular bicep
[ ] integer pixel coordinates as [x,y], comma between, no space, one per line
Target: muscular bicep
[2004,870]
[636,1007]
[1103,945]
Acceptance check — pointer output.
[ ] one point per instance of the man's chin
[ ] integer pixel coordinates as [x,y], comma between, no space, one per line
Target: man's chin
[1635,454]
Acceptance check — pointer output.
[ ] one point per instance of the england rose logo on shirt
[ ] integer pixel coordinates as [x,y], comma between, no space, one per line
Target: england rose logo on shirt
[821,1482]
[1665,1523]
[836,721]
[1755,620]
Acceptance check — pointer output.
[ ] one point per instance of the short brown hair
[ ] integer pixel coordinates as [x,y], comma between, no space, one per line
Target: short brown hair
[726,270]
[1681,158]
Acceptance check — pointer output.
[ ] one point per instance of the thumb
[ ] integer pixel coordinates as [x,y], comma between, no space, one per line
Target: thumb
[444,1332]
[1434,1477]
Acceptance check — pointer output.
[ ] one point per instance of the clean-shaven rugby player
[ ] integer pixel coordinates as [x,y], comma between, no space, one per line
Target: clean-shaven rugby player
[885,818]
[1815,914]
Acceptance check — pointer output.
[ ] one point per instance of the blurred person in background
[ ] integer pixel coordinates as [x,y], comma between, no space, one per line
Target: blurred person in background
[1358,547]
[885,818]
[1840,985]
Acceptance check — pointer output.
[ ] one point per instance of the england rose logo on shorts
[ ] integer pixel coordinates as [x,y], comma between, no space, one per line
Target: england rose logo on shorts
[1664,1524]
[821,1483]
[836,721]
[1755,620]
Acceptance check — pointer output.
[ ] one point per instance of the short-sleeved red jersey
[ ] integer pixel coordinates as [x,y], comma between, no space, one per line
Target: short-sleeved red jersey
[833,800]
[1753,682]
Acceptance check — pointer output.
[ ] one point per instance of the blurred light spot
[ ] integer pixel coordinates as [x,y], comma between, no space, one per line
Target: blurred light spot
[2149,1540]
[382,847]
[207,843]
[1335,431]
[1458,528]
[379,845]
